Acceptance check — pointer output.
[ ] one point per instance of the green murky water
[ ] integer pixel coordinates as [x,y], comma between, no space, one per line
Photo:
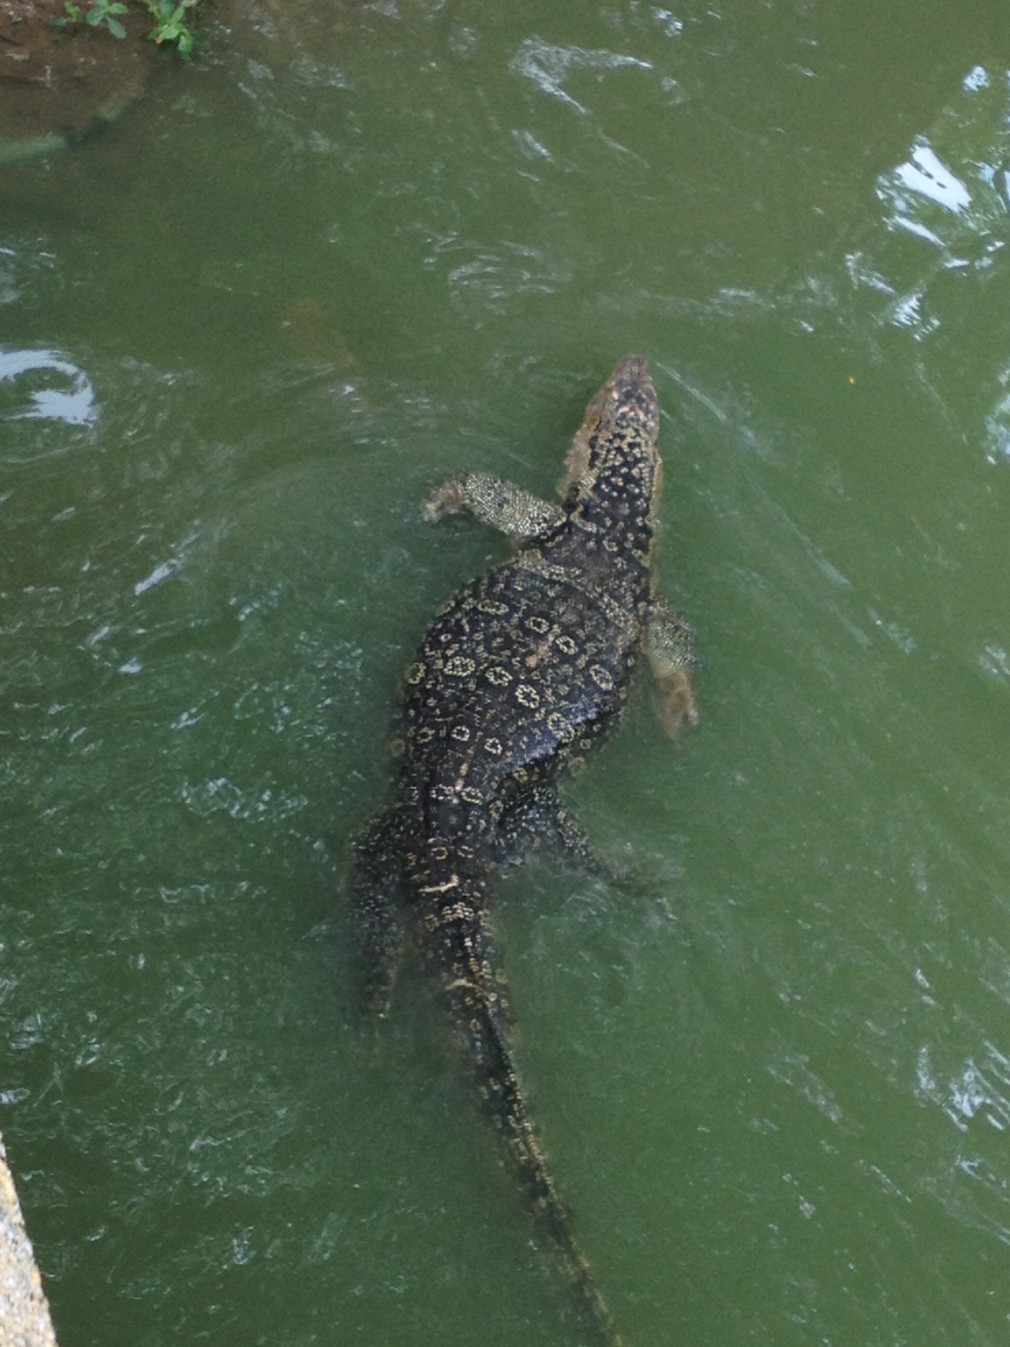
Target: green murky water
[353,248]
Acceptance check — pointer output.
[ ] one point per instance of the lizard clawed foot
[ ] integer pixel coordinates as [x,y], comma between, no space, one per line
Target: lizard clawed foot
[449,498]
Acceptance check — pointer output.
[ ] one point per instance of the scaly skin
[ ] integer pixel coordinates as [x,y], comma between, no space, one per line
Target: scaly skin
[515,679]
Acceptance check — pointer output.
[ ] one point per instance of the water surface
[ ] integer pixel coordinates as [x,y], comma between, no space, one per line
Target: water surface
[352,249]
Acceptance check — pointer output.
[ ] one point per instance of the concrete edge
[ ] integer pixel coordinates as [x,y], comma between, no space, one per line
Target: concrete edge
[24,1310]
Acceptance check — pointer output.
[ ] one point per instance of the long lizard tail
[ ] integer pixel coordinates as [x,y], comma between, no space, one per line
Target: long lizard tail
[477,1005]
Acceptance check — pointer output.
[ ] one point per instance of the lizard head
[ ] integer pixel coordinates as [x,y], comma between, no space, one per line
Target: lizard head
[613,468]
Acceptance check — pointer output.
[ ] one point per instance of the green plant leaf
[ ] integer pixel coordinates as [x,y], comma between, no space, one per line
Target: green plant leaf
[116,28]
[170,24]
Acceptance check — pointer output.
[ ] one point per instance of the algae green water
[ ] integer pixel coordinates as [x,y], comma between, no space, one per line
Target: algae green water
[348,250]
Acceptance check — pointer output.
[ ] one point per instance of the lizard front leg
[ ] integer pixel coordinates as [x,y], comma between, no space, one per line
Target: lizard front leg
[494,501]
[669,646]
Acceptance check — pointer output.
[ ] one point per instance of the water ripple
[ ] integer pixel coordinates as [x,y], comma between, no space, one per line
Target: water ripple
[548,66]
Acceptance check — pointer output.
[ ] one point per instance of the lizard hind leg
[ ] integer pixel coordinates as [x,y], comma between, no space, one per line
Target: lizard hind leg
[538,822]
[377,917]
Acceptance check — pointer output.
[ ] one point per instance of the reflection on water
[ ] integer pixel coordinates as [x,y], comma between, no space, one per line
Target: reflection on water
[950,195]
[45,386]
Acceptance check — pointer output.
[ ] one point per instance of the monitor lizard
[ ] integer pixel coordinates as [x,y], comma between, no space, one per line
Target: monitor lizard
[516,678]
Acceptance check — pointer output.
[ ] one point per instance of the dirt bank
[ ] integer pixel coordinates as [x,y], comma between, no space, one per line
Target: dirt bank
[58,83]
